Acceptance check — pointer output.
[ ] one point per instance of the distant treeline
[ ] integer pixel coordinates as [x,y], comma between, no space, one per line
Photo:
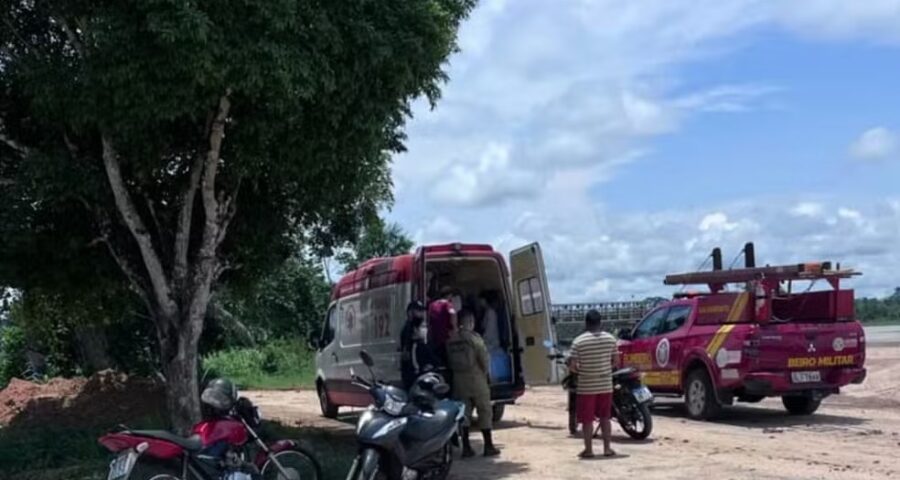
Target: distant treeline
[879,310]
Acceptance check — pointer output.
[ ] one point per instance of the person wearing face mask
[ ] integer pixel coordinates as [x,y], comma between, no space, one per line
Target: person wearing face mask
[416,357]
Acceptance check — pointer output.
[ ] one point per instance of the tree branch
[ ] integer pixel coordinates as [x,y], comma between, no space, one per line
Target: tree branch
[185,219]
[156,224]
[11,142]
[76,42]
[138,230]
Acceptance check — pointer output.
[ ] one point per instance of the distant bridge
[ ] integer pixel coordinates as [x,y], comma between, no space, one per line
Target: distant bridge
[569,317]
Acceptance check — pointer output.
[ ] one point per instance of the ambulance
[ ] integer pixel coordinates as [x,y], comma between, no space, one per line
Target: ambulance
[368,311]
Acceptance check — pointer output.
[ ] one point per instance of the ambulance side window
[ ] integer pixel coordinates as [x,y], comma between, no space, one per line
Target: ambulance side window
[329,328]
[651,325]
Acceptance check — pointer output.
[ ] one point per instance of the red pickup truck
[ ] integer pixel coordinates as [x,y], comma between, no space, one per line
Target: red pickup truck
[758,340]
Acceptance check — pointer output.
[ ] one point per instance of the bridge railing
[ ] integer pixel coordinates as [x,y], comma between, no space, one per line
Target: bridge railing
[569,317]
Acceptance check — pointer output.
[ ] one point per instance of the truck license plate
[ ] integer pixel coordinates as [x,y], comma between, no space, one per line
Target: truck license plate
[121,467]
[806,377]
[642,394]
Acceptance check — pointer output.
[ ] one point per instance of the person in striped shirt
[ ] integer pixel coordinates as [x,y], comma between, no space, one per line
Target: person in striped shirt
[594,356]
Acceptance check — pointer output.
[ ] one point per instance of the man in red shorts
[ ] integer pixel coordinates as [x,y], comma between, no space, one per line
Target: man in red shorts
[594,356]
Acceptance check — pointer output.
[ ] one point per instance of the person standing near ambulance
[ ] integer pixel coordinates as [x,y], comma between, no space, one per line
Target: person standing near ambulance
[594,356]
[470,364]
[441,322]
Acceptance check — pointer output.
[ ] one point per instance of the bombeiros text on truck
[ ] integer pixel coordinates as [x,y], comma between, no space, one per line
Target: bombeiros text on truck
[786,331]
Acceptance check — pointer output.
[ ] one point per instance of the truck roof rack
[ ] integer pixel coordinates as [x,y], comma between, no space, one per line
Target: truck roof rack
[801,271]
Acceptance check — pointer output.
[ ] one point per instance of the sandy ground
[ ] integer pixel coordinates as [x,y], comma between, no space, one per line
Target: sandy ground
[853,436]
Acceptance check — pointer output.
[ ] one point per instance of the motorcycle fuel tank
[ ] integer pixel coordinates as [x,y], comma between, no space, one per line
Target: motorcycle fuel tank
[232,432]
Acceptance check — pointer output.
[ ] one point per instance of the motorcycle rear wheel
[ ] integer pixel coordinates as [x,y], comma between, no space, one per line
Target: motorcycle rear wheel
[152,470]
[636,420]
[297,462]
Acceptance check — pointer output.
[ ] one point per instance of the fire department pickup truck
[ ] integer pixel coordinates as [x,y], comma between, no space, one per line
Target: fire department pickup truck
[758,340]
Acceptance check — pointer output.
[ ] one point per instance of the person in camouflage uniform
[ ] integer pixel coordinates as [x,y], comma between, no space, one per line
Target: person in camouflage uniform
[469,361]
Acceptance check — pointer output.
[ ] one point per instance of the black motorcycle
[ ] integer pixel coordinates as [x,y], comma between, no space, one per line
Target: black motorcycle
[406,435]
[631,401]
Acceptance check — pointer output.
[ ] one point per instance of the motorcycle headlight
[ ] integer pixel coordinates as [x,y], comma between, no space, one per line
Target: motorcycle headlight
[365,418]
[390,426]
[393,406]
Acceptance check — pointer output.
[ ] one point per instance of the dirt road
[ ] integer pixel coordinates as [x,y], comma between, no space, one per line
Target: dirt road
[854,436]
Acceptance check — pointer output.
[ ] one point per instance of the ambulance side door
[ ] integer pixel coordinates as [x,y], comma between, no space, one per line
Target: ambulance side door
[532,306]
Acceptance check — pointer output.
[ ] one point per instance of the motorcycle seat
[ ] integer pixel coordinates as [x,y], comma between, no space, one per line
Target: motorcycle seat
[427,425]
[191,443]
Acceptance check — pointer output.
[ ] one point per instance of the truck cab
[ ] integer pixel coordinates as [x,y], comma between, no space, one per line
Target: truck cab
[759,339]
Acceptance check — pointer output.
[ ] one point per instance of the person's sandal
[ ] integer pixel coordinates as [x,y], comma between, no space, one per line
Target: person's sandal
[586,455]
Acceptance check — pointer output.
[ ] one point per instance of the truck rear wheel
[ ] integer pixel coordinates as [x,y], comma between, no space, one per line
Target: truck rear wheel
[797,405]
[699,396]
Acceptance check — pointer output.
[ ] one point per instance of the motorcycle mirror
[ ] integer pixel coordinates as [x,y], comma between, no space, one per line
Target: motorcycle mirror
[366,358]
[442,389]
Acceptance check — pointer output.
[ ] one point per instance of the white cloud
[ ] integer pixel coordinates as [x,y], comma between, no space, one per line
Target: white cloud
[807,209]
[877,143]
[716,221]
[548,100]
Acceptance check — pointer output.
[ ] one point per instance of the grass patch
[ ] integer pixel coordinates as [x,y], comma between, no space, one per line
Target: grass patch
[57,454]
[48,454]
[281,364]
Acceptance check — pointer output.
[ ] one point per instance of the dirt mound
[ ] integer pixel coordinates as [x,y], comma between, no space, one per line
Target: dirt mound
[104,399]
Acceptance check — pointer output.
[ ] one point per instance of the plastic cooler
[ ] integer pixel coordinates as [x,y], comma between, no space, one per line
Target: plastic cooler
[501,370]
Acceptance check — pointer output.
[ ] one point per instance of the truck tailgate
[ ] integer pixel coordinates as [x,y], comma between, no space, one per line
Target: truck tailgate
[811,346]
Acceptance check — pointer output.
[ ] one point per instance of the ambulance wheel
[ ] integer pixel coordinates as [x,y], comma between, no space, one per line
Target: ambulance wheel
[800,405]
[329,410]
[498,409]
[699,396]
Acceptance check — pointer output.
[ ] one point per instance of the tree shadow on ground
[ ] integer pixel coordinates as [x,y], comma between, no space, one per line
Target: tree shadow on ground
[766,418]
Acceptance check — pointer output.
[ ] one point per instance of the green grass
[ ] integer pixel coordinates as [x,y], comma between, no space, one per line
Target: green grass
[281,364]
[54,453]
[48,454]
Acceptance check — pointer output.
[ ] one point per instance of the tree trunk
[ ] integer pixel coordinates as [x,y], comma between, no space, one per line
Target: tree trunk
[179,362]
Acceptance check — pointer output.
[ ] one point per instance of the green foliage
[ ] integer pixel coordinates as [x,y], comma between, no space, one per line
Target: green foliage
[378,240]
[289,302]
[319,91]
[12,353]
[275,364]
[879,310]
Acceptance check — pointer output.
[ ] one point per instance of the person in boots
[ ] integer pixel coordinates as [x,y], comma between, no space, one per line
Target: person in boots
[470,364]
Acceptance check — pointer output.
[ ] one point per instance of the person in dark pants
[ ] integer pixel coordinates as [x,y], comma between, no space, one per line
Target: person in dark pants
[416,357]
[470,364]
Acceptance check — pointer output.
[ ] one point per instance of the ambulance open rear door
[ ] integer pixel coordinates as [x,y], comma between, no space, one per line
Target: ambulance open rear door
[532,306]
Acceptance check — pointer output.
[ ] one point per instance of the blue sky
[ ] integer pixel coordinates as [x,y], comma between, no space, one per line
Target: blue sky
[629,138]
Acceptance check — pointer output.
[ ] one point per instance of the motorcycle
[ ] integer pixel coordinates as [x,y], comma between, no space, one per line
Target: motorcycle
[630,403]
[406,435]
[223,446]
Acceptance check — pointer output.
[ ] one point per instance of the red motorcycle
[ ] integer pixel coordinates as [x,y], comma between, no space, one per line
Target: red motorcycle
[224,446]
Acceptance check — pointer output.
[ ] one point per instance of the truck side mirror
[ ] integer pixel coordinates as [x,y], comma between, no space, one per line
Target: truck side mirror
[625,334]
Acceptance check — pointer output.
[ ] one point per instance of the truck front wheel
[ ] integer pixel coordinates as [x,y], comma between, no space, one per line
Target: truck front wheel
[797,405]
[699,396]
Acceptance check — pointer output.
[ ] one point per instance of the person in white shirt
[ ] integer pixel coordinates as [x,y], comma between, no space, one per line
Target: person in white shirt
[489,323]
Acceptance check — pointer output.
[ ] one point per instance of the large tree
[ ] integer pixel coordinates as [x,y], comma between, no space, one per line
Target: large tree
[182,143]
[378,239]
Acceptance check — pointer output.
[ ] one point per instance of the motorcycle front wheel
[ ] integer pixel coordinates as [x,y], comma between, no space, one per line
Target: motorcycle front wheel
[298,464]
[635,419]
